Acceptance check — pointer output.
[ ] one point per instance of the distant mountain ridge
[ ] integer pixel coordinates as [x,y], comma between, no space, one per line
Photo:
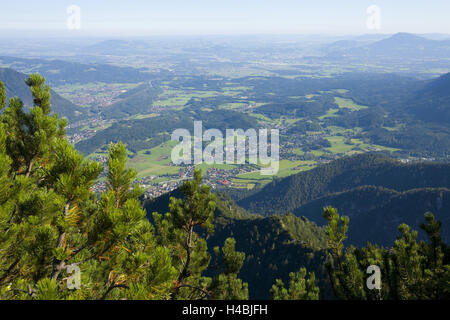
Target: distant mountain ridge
[399,45]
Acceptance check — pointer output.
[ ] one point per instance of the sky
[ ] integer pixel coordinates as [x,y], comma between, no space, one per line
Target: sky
[197,17]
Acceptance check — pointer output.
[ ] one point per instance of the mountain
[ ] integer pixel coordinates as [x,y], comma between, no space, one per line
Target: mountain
[278,244]
[287,194]
[400,45]
[135,101]
[377,193]
[376,212]
[343,45]
[432,103]
[15,86]
[274,246]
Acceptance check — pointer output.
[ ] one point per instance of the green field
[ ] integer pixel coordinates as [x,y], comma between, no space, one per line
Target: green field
[204,167]
[338,145]
[286,168]
[179,98]
[156,163]
[348,104]
[330,113]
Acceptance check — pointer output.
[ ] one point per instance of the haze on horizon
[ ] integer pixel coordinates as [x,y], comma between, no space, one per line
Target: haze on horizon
[233,17]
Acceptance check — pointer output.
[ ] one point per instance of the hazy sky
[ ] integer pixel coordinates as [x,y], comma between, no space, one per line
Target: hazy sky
[147,17]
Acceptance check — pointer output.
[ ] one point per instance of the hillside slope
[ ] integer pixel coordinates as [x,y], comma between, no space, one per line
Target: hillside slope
[376,212]
[15,86]
[432,103]
[274,246]
[135,101]
[286,195]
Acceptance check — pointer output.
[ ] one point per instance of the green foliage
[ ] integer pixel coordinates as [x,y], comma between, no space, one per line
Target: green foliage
[300,288]
[51,221]
[232,260]
[40,91]
[176,231]
[336,231]
[119,178]
[409,270]
[47,289]
[227,285]
[273,246]
[198,207]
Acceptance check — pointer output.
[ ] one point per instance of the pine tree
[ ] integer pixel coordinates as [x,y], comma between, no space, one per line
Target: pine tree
[32,135]
[409,270]
[195,210]
[129,259]
[300,288]
[31,211]
[226,285]
[52,222]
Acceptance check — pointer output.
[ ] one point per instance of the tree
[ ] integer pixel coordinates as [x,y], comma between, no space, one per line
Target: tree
[176,230]
[300,288]
[129,258]
[53,223]
[32,211]
[409,270]
[338,270]
[31,136]
[227,285]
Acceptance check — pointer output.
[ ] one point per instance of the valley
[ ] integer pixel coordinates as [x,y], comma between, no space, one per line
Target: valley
[363,126]
[323,112]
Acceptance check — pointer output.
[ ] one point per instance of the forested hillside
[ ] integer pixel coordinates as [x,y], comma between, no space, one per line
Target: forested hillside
[149,132]
[432,103]
[288,194]
[273,246]
[375,212]
[136,101]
